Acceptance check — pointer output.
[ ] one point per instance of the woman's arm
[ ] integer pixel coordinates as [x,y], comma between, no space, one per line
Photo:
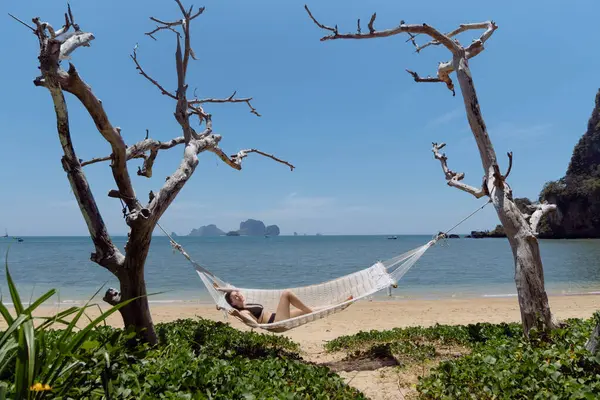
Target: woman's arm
[244,315]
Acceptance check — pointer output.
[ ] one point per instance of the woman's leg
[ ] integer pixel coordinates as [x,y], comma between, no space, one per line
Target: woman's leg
[283,308]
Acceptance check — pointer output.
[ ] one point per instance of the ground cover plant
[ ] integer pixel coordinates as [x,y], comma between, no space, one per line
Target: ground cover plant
[496,360]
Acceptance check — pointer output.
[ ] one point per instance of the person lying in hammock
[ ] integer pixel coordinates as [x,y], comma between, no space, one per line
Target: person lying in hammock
[255,313]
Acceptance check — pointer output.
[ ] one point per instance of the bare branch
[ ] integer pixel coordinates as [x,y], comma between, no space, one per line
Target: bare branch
[454,178]
[235,161]
[510,161]
[230,99]
[139,149]
[320,25]
[107,254]
[541,210]
[18,20]
[170,25]
[402,28]
[489,27]
[112,296]
[446,80]
[146,169]
[145,75]
[72,83]
[371,21]
[72,41]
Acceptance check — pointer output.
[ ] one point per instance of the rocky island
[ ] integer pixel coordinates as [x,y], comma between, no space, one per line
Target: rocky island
[207,230]
[250,227]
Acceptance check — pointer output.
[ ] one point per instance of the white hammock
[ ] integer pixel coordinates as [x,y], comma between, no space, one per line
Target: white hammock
[326,298]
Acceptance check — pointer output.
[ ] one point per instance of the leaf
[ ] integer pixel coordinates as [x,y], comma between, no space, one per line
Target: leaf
[90,344]
[489,360]
[14,294]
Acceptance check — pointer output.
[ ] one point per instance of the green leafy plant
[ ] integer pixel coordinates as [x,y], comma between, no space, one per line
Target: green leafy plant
[545,366]
[35,365]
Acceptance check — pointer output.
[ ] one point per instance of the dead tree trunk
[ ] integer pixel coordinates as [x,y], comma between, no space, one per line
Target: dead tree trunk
[593,343]
[58,45]
[520,229]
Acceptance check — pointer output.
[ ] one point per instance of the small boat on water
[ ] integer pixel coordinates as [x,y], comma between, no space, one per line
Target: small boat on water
[392,237]
[6,234]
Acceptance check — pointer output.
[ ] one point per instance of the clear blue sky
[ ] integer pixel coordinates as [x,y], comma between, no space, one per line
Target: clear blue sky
[357,127]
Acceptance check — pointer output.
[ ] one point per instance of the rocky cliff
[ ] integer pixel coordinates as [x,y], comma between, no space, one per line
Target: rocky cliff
[577,194]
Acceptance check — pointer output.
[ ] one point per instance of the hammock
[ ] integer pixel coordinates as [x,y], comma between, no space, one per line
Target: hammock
[325,298]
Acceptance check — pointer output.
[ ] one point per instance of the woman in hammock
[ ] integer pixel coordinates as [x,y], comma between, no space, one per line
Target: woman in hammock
[256,312]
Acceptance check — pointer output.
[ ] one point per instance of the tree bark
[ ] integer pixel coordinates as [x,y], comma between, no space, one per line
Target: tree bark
[133,285]
[594,340]
[529,272]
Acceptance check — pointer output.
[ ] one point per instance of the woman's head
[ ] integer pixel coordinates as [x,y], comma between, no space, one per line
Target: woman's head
[235,299]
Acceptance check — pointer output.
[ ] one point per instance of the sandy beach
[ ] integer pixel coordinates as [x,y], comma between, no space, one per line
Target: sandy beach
[381,315]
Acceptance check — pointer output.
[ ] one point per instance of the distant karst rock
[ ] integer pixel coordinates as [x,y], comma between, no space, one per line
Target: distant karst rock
[577,194]
[253,227]
[173,234]
[498,232]
[207,230]
[272,230]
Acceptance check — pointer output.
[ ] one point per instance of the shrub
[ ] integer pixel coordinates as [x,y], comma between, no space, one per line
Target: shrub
[512,367]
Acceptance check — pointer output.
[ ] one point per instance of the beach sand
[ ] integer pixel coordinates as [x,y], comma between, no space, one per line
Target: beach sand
[380,315]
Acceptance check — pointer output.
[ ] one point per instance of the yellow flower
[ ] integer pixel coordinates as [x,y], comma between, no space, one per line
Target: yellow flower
[38,387]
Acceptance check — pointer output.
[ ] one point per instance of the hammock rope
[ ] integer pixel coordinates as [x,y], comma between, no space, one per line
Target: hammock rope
[325,298]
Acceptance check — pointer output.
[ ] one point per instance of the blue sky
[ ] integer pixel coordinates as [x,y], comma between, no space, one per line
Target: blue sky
[357,127]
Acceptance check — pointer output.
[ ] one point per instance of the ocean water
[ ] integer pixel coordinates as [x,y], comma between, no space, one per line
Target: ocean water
[455,268]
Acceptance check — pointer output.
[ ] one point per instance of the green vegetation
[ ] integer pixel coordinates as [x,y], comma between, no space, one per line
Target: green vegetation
[497,362]
[194,359]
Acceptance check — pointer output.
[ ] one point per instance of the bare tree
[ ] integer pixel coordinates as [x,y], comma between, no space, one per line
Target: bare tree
[520,228]
[58,45]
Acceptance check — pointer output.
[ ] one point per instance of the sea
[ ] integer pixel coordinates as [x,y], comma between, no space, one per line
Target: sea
[453,268]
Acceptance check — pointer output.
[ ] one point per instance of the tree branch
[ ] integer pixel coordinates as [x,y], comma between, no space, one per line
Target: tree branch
[445,80]
[540,211]
[402,28]
[107,254]
[510,161]
[454,178]
[72,83]
[235,161]
[489,27]
[145,75]
[444,69]
[163,25]
[139,150]
[195,143]
[230,99]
